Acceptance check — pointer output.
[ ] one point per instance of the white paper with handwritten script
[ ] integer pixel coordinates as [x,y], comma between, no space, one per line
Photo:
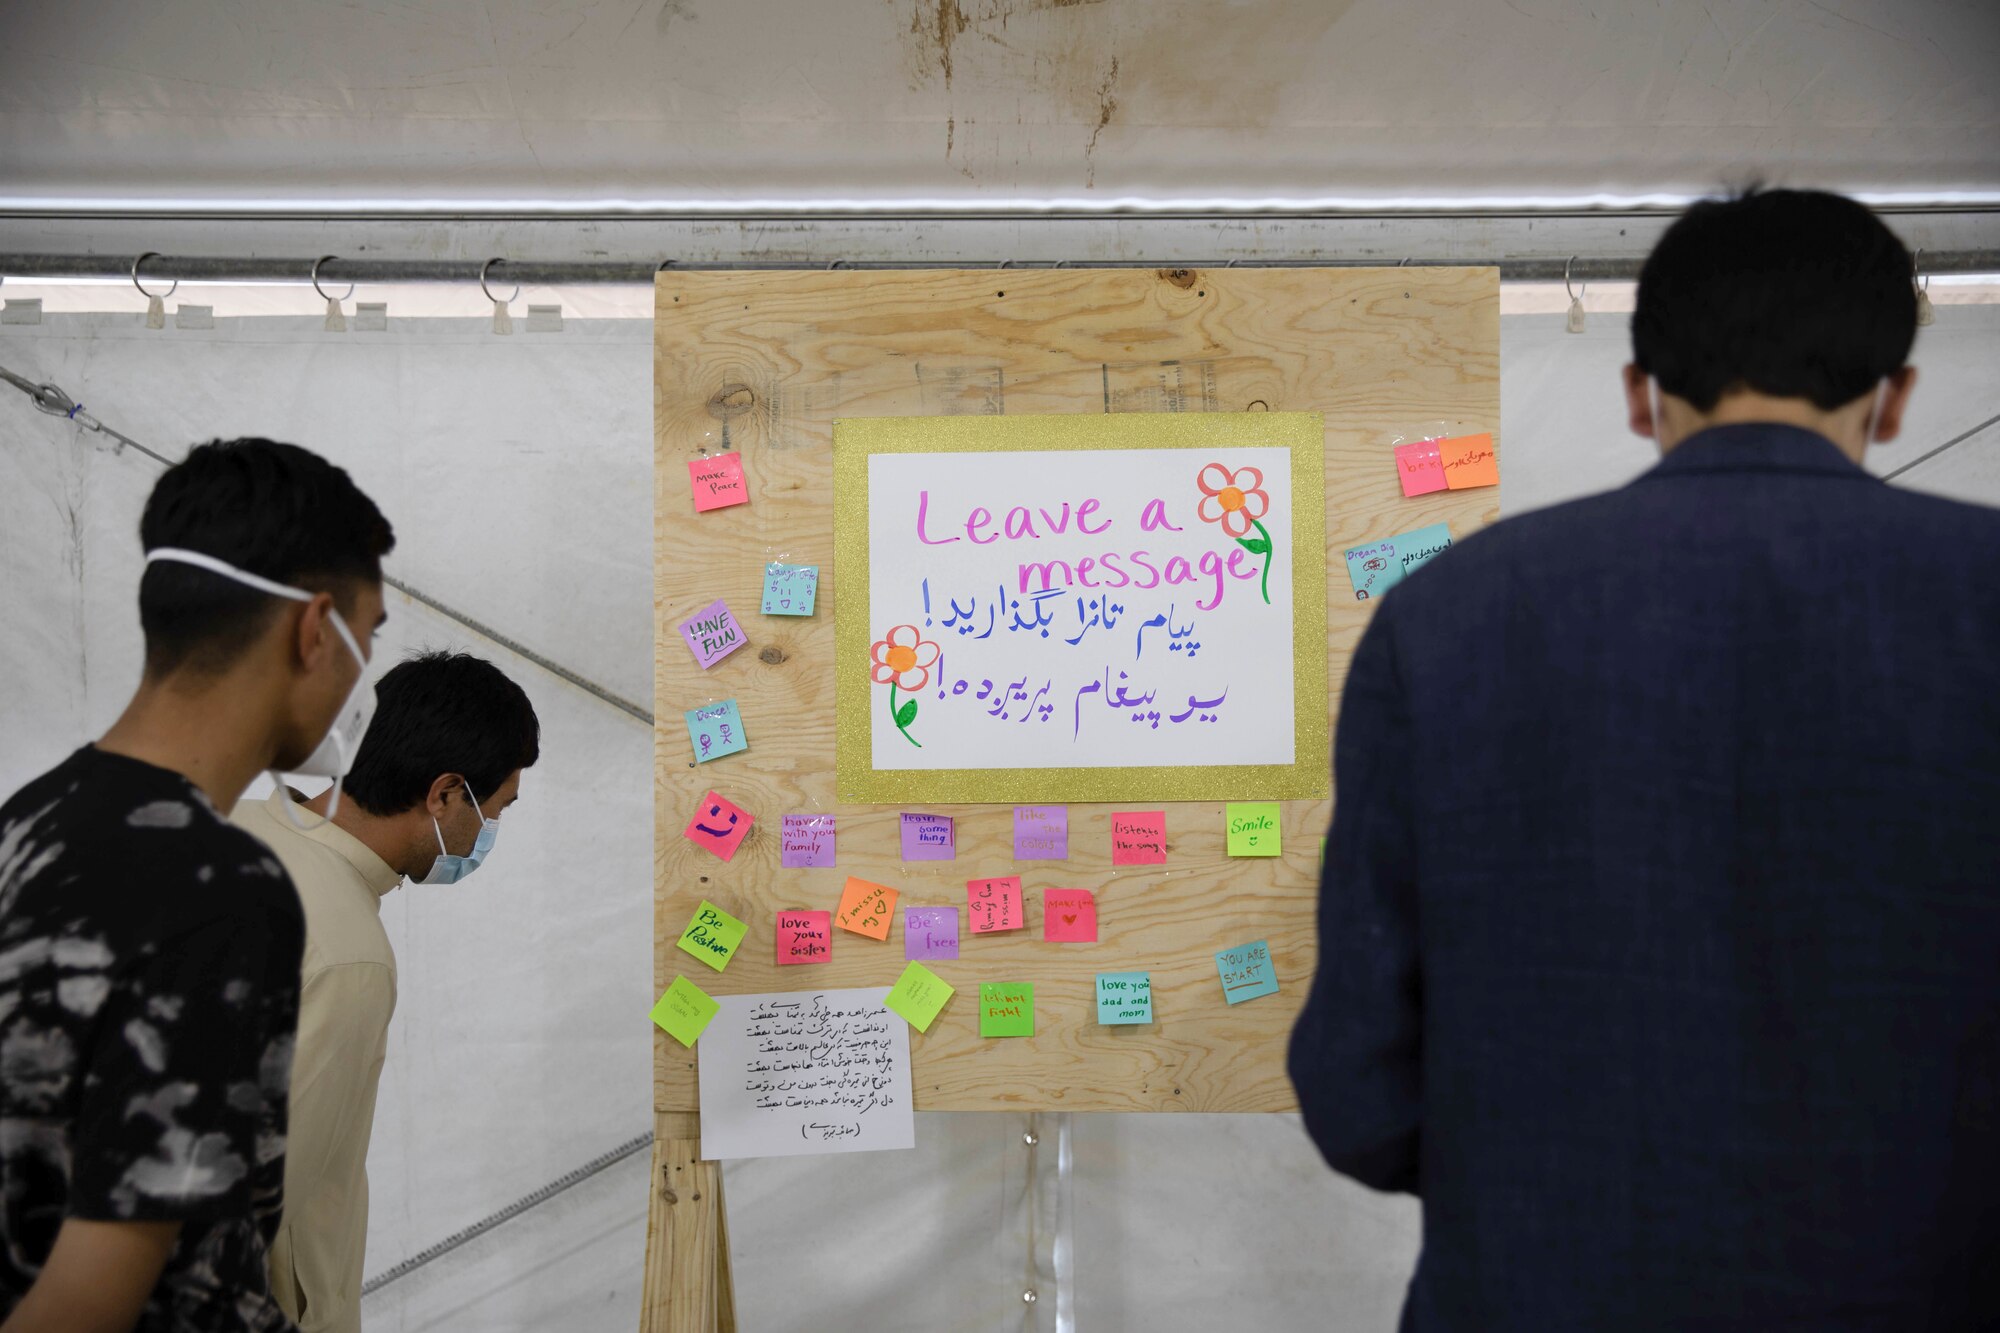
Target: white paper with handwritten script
[810,1072]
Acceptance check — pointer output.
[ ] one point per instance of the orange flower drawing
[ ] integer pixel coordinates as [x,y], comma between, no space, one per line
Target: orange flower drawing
[903,659]
[1236,500]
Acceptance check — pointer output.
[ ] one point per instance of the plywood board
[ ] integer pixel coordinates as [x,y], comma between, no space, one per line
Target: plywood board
[761,363]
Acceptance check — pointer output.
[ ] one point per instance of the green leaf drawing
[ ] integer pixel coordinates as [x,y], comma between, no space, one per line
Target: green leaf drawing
[906,714]
[1254,545]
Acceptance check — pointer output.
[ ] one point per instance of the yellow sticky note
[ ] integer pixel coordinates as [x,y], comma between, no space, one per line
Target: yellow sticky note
[713,935]
[684,1011]
[918,995]
[1253,828]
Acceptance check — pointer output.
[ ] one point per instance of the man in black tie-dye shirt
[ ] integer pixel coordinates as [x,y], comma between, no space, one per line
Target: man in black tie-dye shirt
[149,950]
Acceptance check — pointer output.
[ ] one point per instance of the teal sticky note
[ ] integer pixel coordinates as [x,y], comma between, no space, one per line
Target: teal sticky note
[1376,567]
[715,730]
[1246,972]
[1124,997]
[790,590]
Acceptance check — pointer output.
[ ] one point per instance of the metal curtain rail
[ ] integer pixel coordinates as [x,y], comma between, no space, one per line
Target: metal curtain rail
[52,401]
[538,273]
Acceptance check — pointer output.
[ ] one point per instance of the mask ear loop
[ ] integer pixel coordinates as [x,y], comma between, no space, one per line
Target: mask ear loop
[1653,405]
[1874,413]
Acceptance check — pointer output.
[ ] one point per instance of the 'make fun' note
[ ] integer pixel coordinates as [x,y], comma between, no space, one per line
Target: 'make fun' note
[1069,916]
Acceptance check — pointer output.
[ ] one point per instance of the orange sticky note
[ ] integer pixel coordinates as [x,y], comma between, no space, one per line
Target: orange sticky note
[866,909]
[1469,461]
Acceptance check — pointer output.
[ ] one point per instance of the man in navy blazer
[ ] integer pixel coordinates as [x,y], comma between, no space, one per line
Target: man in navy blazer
[1660,928]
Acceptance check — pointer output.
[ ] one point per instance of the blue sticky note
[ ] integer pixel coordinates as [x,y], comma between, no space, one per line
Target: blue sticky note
[790,590]
[1124,997]
[1376,567]
[1246,972]
[715,730]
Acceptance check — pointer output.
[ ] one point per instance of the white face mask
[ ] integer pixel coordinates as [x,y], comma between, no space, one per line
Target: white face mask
[334,755]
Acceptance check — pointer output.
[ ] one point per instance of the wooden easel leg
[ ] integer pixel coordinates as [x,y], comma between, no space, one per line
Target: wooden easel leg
[687,1288]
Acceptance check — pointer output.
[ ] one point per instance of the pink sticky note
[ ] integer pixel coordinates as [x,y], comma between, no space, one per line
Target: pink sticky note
[1041,833]
[1139,838]
[712,634]
[928,838]
[717,482]
[805,840]
[719,825]
[804,937]
[995,904]
[1420,467]
[930,933]
[1069,916]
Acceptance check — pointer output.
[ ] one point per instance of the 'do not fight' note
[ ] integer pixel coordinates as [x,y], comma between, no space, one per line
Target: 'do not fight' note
[812,1072]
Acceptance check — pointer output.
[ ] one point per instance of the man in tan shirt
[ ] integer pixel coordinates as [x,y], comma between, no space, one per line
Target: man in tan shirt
[441,760]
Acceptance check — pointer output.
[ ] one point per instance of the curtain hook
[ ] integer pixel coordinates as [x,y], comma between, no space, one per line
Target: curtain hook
[1922,282]
[1573,321]
[336,319]
[156,305]
[503,322]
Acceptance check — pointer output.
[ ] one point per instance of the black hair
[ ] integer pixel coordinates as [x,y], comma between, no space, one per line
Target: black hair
[1792,293]
[267,508]
[442,713]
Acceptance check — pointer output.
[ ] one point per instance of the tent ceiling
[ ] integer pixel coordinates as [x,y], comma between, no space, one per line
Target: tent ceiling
[466,103]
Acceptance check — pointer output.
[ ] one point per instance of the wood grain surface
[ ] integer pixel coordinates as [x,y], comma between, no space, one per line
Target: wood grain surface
[762,363]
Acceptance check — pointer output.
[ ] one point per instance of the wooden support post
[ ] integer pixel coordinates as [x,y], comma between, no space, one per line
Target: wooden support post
[688,1287]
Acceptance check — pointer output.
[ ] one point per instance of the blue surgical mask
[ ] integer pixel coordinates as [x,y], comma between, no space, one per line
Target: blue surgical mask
[449,869]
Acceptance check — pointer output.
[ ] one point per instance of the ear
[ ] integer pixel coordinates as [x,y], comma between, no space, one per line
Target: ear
[443,785]
[1898,386]
[315,637]
[1638,403]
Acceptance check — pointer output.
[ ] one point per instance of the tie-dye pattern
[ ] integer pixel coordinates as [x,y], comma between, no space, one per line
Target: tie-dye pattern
[149,963]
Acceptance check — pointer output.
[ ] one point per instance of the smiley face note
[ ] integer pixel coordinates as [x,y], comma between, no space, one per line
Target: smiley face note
[1102,607]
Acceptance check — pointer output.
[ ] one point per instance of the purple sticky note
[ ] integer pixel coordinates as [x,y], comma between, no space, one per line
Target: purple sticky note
[806,840]
[930,933]
[712,634]
[1041,833]
[928,838]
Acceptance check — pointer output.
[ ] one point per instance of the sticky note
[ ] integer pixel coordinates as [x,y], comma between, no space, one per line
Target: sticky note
[1469,461]
[1006,1009]
[1420,467]
[928,838]
[1246,972]
[804,937]
[1041,833]
[713,935]
[1253,828]
[719,825]
[930,933]
[866,909]
[995,904]
[790,590]
[684,1010]
[715,730]
[717,482]
[1124,997]
[1069,916]
[805,840]
[1376,567]
[918,995]
[1139,838]
[712,634]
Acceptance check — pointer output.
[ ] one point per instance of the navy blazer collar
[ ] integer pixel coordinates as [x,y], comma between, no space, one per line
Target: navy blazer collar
[1757,447]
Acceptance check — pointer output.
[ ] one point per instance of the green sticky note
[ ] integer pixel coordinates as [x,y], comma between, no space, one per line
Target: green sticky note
[918,995]
[713,935]
[1253,828]
[1006,1009]
[684,1011]
[1124,997]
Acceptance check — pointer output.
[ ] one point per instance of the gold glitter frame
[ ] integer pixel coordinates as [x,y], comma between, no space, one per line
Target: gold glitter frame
[857,439]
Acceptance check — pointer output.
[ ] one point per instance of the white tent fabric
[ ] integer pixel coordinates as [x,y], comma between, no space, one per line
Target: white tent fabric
[982,102]
[518,471]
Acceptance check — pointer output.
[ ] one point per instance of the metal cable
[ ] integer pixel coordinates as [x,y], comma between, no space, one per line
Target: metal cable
[51,400]
[511,1211]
